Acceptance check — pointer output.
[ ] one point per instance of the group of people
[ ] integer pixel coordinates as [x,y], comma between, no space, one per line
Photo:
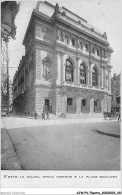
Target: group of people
[112,115]
[116,114]
[45,115]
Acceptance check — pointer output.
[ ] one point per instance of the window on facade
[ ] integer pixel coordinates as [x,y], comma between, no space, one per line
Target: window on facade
[87,47]
[69,101]
[83,102]
[118,100]
[93,50]
[73,41]
[81,45]
[95,102]
[94,77]
[103,53]
[66,39]
[69,71]
[82,74]
[98,52]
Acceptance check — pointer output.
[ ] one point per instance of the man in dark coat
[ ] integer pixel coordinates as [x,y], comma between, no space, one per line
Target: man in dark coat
[35,115]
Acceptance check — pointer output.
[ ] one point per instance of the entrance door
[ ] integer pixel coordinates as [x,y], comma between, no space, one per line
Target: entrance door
[70,106]
[47,104]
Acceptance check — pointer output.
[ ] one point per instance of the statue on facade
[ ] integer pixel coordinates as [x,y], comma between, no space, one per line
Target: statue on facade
[105,35]
[56,8]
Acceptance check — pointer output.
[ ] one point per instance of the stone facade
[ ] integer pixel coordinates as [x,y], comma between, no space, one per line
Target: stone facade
[66,67]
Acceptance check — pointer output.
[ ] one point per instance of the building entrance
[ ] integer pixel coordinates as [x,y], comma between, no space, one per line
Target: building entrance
[71,108]
[47,106]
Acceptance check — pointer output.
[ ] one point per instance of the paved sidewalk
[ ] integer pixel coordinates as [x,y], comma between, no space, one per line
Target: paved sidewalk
[20,122]
[16,122]
[9,159]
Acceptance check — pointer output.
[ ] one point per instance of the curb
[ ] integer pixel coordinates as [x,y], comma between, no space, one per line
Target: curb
[9,159]
[108,134]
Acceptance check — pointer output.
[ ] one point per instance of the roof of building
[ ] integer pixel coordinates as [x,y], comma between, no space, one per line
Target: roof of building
[47,9]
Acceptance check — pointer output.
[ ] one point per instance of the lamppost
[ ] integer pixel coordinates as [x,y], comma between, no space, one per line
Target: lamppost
[9,10]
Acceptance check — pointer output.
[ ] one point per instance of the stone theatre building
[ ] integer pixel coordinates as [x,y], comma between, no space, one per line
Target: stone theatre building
[66,67]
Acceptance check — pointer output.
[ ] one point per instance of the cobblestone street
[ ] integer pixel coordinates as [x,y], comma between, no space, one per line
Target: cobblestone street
[76,146]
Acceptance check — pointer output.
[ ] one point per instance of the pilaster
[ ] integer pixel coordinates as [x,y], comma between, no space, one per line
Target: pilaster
[104,79]
[109,81]
[101,77]
[90,74]
[77,71]
[78,105]
[62,67]
[58,65]
[75,76]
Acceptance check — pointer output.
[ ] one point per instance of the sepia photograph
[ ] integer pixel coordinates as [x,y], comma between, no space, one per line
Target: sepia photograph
[60,85]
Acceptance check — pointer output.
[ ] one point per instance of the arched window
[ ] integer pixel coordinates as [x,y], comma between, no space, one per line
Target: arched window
[82,74]
[83,102]
[69,71]
[94,77]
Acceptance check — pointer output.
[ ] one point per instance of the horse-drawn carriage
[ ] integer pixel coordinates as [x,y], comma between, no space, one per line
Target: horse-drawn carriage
[110,115]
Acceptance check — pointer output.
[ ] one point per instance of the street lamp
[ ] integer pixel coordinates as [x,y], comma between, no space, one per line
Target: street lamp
[9,10]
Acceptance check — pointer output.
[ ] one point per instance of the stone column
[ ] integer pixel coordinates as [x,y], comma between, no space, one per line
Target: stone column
[95,51]
[84,49]
[104,78]
[91,105]
[77,71]
[70,36]
[90,74]
[78,105]
[109,81]
[87,77]
[101,77]
[74,74]
[58,63]
[62,67]
[109,58]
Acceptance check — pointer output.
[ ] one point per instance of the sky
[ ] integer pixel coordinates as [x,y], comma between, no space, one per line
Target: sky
[102,14]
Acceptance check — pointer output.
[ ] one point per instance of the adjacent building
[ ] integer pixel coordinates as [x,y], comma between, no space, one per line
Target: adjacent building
[115,90]
[9,10]
[66,67]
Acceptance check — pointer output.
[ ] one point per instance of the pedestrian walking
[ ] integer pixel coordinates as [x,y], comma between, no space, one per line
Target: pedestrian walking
[43,115]
[119,117]
[35,115]
[47,118]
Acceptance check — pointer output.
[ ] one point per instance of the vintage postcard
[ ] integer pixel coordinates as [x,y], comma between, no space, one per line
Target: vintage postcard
[60,97]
